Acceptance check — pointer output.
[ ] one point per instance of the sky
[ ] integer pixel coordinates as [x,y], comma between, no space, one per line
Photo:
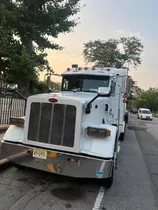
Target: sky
[104,19]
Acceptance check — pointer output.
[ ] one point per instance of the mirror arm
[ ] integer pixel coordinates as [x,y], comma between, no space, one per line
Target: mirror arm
[20,95]
[89,105]
[88,108]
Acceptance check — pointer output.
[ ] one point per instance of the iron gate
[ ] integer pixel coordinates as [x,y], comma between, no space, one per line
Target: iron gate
[11,104]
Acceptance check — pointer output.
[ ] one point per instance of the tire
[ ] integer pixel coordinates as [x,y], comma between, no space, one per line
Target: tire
[122,136]
[107,183]
[126,118]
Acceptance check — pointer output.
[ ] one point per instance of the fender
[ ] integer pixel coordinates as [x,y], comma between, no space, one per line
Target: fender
[14,134]
[99,147]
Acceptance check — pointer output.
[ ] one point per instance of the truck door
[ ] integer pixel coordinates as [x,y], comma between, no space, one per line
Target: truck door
[112,103]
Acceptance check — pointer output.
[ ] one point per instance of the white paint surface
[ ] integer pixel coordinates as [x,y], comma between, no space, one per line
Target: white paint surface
[99,199]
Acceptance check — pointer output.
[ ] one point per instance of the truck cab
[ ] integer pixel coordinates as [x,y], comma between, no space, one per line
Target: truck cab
[75,132]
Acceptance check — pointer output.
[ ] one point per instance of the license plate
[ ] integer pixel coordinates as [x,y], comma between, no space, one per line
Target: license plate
[39,153]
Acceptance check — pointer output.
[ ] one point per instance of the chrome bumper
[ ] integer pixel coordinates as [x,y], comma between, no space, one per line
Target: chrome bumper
[62,163]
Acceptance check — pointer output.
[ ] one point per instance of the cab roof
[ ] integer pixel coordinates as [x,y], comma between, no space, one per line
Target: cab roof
[106,71]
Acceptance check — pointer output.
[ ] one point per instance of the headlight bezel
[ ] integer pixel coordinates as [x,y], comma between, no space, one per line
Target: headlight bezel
[100,133]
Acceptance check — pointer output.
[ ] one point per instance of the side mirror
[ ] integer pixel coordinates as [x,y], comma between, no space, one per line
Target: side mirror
[12,87]
[103,91]
[128,85]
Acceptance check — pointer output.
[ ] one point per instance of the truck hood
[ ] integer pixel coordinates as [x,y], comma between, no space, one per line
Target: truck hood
[81,97]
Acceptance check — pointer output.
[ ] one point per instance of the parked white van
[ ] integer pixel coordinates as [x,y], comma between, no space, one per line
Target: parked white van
[144,114]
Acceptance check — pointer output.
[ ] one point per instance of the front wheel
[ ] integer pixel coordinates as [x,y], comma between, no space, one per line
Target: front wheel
[122,136]
[107,183]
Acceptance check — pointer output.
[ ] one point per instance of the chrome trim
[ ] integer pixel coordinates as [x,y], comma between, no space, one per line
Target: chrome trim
[63,128]
[39,122]
[51,122]
[62,163]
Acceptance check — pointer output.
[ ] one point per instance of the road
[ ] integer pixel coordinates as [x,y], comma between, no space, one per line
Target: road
[134,187]
[147,135]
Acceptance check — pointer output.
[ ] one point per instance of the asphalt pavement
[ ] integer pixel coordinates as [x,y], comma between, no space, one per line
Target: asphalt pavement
[147,135]
[133,188]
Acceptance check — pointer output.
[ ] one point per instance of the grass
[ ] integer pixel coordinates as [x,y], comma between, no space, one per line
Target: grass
[155,115]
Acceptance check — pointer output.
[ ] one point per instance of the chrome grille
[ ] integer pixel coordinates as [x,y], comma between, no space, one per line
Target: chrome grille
[52,124]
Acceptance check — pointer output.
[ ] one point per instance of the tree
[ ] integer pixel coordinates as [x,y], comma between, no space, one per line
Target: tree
[108,53]
[135,93]
[147,99]
[55,86]
[28,28]
[37,87]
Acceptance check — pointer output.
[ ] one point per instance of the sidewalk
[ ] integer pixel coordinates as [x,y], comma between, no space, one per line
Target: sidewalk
[4,162]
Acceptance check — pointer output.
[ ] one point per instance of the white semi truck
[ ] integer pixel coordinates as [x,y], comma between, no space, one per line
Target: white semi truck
[77,131]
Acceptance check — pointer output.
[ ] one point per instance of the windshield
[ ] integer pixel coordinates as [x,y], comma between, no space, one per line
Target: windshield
[146,112]
[84,83]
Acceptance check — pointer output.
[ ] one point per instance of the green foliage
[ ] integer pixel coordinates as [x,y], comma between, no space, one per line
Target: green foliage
[27,28]
[38,87]
[55,87]
[108,53]
[147,99]
[135,92]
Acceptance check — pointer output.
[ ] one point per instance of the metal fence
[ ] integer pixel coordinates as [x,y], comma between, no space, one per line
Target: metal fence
[11,104]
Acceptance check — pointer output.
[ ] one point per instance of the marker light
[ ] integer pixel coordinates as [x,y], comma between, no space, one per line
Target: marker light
[80,68]
[108,69]
[124,101]
[93,68]
[86,68]
[53,100]
[68,69]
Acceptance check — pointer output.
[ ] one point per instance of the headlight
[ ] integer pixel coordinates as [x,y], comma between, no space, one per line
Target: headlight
[98,132]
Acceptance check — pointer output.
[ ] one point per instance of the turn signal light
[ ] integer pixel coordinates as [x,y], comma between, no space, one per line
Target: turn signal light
[124,101]
[53,100]
[98,132]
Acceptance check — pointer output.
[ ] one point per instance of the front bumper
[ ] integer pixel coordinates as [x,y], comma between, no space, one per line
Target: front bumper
[62,163]
[147,118]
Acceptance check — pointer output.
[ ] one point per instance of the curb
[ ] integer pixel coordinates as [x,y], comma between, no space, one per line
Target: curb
[4,163]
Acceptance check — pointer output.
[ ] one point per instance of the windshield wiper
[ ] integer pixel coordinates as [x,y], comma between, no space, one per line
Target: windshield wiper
[75,90]
[90,91]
